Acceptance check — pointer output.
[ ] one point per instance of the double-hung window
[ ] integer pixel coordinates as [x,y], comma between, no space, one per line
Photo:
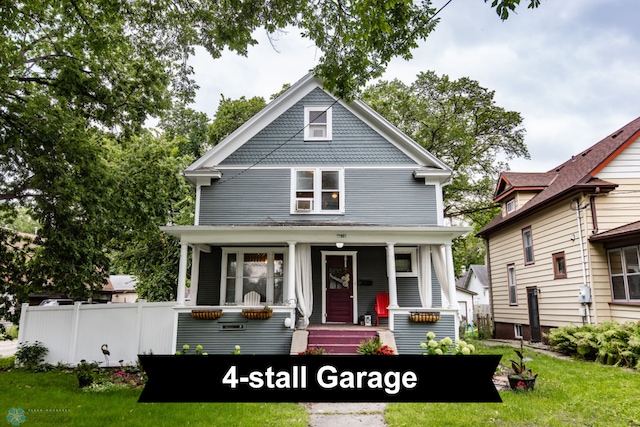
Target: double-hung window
[624,270]
[527,243]
[317,190]
[317,123]
[511,280]
[252,269]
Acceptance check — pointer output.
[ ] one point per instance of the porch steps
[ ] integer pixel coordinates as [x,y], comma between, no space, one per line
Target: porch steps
[339,341]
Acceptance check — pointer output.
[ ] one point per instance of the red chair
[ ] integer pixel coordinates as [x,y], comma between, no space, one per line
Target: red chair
[382,306]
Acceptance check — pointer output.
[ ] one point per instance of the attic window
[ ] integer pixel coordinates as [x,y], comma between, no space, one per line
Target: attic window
[317,123]
[511,205]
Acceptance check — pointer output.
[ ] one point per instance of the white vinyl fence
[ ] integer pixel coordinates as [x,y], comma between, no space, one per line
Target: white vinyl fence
[72,333]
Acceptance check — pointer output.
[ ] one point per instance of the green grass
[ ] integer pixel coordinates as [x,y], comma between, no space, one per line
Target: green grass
[567,393]
[54,398]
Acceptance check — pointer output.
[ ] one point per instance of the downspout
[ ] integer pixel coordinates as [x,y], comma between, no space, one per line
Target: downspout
[487,262]
[582,258]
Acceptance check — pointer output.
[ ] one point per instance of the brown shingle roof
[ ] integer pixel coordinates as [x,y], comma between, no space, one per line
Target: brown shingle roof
[618,232]
[576,174]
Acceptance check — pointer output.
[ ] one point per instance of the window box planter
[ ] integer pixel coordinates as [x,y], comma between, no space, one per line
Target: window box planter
[257,313]
[206,314]
[424,316]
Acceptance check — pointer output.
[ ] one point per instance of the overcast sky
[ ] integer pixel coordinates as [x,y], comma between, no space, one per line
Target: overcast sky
[570,67]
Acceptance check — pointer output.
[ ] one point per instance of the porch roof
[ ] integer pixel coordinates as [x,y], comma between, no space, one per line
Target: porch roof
[316,234]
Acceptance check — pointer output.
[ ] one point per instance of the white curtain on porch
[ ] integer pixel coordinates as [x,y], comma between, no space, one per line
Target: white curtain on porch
[439,259]
[304,288]
[424,275]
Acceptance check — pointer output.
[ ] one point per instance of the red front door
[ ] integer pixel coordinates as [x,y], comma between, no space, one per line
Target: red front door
[339,288]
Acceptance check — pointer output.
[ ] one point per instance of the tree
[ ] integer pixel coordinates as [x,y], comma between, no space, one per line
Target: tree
[458,122]
[231,114]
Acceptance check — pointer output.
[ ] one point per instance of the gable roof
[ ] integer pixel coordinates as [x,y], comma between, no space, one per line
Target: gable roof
[427,164]
[478,270]
[578,174]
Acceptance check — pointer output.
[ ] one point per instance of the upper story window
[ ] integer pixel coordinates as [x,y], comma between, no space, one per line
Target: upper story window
[317,123]
[317,190]
[527,243]
[511,205]
[624,269]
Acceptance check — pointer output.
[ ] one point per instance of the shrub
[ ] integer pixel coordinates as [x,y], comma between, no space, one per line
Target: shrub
[7,363]
[313,351]
[373,346]
[31,356]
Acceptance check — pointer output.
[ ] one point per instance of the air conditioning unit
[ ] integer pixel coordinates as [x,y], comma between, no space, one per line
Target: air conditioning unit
[305,205]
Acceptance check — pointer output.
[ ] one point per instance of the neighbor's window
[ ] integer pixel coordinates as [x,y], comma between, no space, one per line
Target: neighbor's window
[317,190]
[527,243]
[405,262]
[517,331]
[317,123]
[248,269]
[511,205]
[624,270]
[559,266]
[511,280]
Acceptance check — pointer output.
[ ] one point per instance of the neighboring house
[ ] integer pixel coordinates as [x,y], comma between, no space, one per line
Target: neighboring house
[466,305]
[123,288]
[476,279]
[564,250]
[317,205]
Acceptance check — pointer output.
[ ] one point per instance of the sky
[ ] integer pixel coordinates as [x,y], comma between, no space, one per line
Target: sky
[571,68]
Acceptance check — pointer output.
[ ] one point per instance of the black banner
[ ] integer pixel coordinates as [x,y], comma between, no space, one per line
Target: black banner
[244,378]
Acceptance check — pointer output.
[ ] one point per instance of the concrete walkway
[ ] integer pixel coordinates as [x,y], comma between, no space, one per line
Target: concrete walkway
[8,348]
[346,414]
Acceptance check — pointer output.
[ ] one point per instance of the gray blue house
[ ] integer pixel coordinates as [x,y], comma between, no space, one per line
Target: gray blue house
[313,207]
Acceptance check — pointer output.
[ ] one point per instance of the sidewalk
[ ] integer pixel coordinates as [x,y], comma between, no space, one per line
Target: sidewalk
[8,348]
[346,414]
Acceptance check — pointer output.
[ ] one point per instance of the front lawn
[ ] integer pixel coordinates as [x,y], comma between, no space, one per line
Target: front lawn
[54,398]
[567,393]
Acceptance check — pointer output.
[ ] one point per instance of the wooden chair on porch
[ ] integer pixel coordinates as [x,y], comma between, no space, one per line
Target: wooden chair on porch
[252,298]
[382,304]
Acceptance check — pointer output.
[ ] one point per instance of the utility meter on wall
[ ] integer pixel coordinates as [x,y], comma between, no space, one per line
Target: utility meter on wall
[584,296]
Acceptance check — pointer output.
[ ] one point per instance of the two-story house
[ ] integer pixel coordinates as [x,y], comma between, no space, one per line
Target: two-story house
[313,207]
[564,250]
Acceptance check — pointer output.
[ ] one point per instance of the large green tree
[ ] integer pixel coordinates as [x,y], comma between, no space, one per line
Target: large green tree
[459,122]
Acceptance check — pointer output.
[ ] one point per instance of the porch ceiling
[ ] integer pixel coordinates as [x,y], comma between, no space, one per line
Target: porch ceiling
[317,234]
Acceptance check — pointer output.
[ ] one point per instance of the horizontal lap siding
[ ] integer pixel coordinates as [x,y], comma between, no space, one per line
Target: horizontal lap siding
[372,196]
[258,336]
[408,335]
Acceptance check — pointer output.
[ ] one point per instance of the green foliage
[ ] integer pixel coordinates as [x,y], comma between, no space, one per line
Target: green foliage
[198,352]
[231,114]
[86,373]
[30,356]
[505,7]
[519,367]
[7,363]
[609,343]
[313,351]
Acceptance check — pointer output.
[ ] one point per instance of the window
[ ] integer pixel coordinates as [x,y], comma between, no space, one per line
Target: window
[559,266]
[511,280]
[527,243]
[511,205]
[317,123]
[252,269]
[405,262]
[517,331]
[624,270]
[317,191]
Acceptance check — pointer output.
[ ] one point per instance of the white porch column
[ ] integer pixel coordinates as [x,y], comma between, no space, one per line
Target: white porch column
[291,275]
[182,273]
[391,273]
[195,275]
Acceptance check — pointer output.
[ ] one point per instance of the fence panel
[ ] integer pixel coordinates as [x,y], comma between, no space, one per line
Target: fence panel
[74,333]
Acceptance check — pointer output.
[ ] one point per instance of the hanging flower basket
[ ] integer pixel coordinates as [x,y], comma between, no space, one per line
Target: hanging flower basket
[424,316]
[206,314]
[257,313]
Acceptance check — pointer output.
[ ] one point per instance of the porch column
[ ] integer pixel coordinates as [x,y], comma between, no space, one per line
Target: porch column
[182,273]
[291,275]
[451,280]
[391,274]
[195,275]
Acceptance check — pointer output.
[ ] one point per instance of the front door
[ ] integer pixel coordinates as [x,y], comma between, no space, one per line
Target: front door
[339,282]
[534,315]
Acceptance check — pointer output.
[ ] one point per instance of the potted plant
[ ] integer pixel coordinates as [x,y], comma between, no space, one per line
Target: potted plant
[257,313]
[522,378]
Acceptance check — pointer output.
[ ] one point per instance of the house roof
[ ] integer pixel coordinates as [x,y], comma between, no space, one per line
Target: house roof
[426,163]
[627,230]
[480,271]
[578,174]
[121,283]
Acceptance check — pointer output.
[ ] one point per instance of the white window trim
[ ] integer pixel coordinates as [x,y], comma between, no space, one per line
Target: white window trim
[316,207]
[517,330]
[514,285]
[239,295]
[307,127]
[414,265]
[511,205]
